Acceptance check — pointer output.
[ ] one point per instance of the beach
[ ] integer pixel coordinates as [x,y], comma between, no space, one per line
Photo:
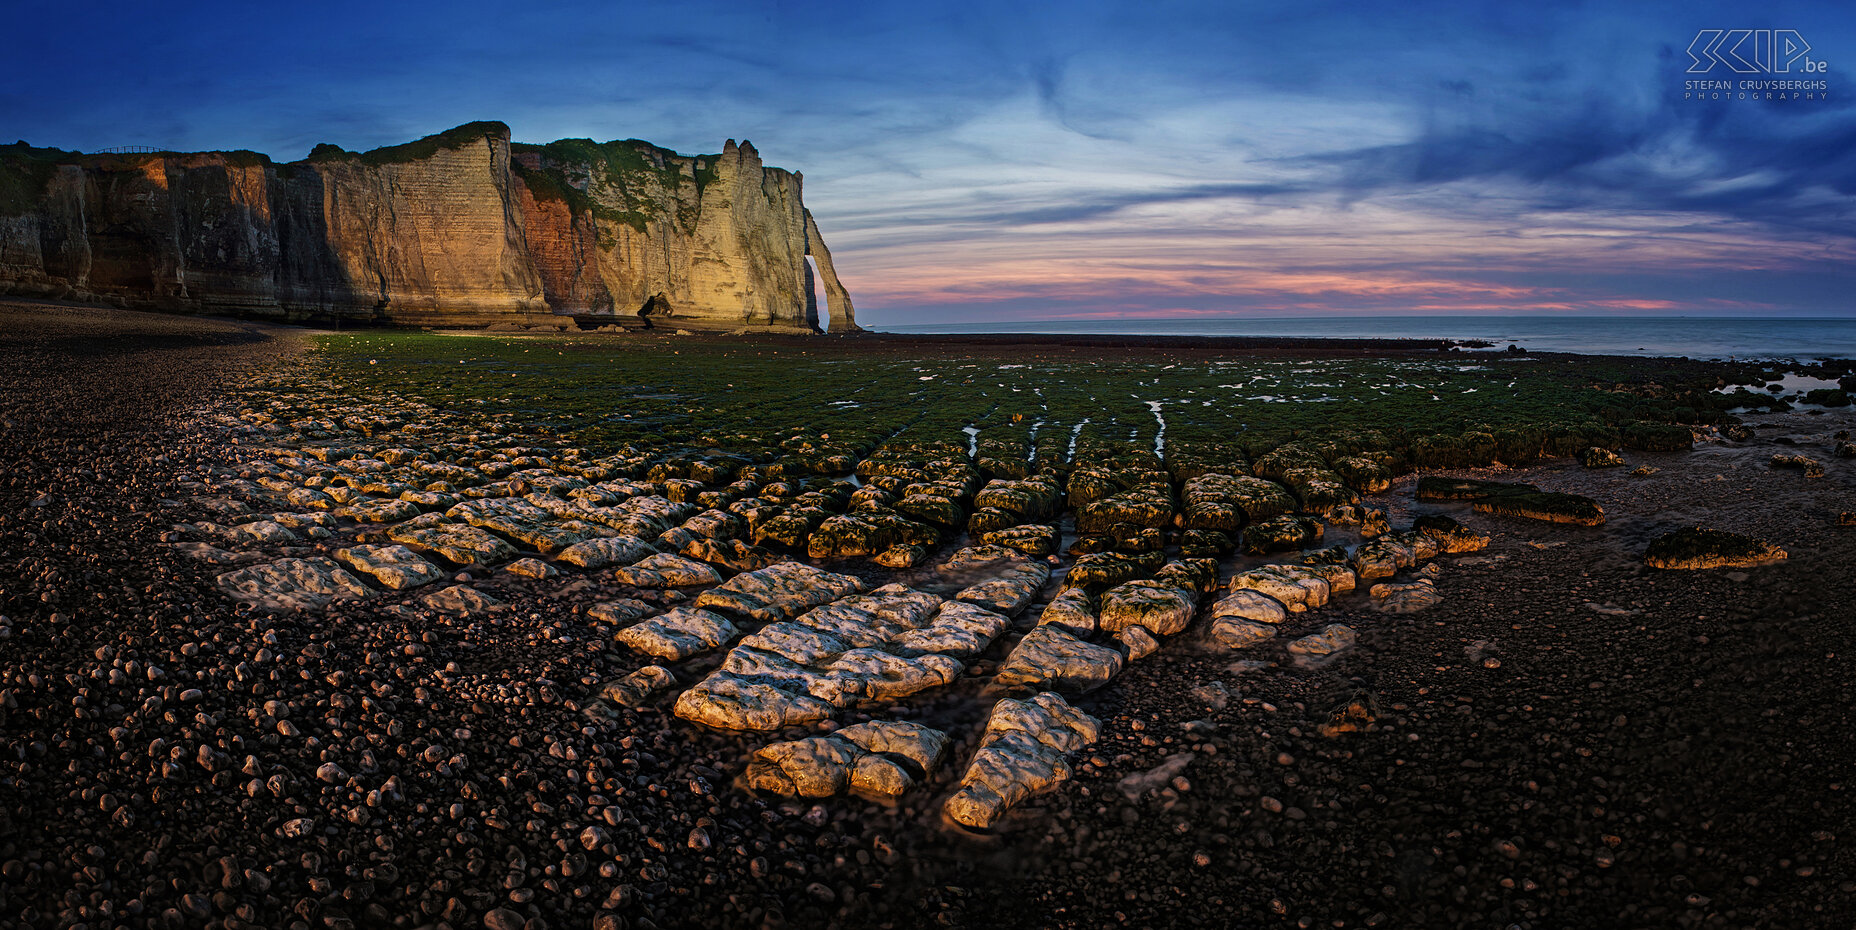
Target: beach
[229,702]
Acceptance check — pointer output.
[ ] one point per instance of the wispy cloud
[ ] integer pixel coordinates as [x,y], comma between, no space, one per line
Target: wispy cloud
[988,159]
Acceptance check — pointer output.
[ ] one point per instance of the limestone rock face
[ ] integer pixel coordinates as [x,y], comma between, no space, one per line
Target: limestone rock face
[463,227]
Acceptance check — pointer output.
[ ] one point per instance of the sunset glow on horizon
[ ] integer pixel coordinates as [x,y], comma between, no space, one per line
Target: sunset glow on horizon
[1102,160]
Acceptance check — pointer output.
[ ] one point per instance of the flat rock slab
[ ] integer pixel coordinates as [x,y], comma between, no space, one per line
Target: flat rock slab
[1405,598]
[1250,605]
[727,702]
[599,553]
[293,584]
[959,629]
[621,612]
[1239,633]
[1548,506]
[879,758]
[1021,754]
[395,567]
[462,600]
[1332,639]
[664,570]
[679,633]
[1015,585]
[1051,657]
[373,510]
[458,542]
[260,533]
[1296,587]
[778,592]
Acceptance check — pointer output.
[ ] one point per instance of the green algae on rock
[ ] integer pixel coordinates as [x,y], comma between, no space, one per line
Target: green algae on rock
[1693,548]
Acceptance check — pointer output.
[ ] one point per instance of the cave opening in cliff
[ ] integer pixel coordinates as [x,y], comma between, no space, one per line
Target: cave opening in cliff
[654,308]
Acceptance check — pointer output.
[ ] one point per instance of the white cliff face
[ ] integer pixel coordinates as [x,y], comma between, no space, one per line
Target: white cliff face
[462,227]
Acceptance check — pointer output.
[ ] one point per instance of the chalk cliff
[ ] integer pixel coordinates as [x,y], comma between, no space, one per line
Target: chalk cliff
[459,228]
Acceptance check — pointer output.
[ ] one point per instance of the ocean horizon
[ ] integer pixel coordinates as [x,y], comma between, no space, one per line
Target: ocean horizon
[1799,338]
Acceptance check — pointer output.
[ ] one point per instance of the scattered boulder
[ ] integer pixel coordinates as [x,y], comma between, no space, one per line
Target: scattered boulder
[463,600]
[1332,639]
[1405,598]
[1693,548]
[639,687]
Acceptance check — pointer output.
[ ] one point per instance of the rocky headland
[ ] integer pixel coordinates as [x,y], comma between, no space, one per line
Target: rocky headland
[461,228]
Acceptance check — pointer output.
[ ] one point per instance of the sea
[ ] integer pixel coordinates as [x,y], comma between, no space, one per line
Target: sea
[1803,340]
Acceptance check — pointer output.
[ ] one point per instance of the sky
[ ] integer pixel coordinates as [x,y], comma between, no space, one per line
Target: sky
[989,162]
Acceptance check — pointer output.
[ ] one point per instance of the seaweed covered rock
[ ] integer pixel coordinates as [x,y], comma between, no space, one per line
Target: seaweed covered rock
[1162,608]
[1227,502]
[1030,499]
[1696,548]
[1549,506]
[1286,533]
[1809,467]
[1597,457]
[1033,539]
[1451,535]
[1103,569]
[1144,506]
[1439,488]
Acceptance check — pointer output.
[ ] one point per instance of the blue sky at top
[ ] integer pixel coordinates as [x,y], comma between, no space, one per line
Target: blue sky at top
[1039,161]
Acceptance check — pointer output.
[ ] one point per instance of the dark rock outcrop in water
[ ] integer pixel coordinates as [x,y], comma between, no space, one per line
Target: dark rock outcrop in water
[461,228]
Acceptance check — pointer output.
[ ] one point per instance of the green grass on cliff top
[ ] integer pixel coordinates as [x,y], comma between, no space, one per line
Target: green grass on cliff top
[752,394]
